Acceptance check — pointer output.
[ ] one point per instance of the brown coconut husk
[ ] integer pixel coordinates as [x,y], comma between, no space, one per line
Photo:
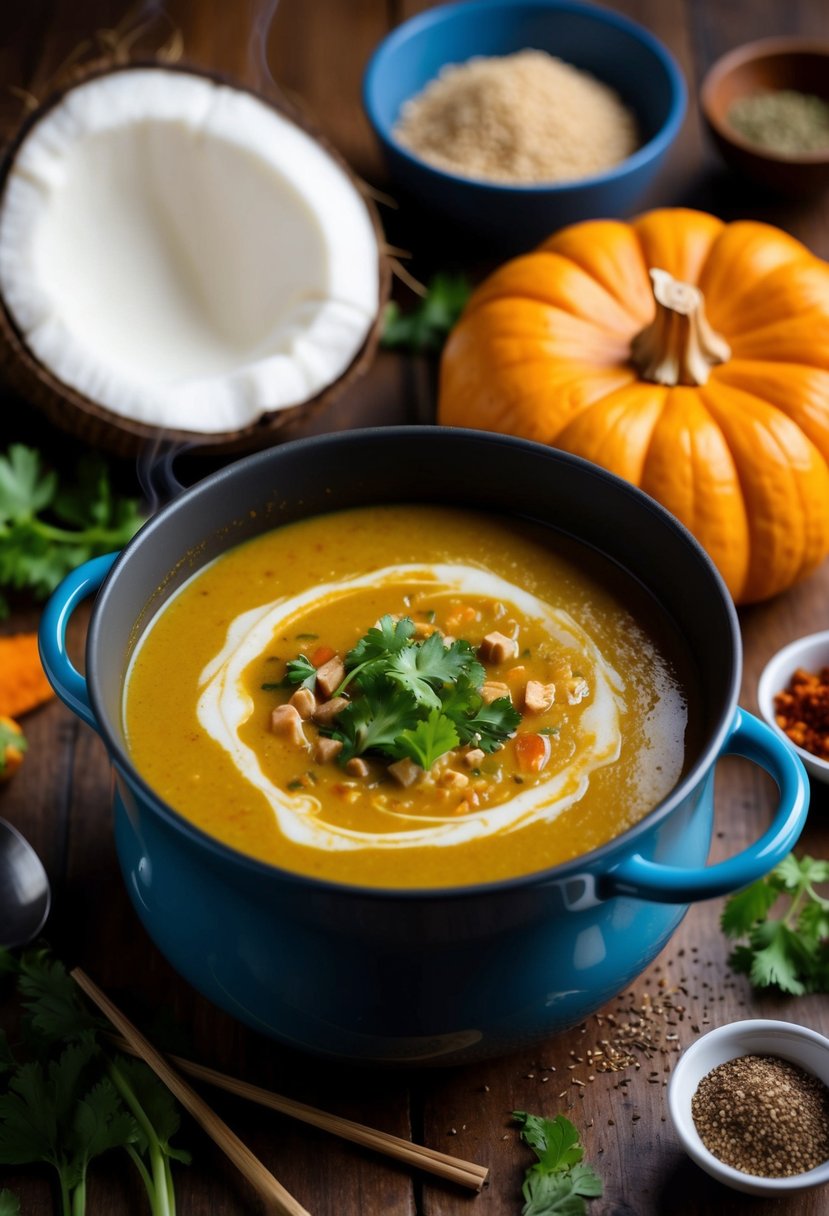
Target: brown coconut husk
[99,427]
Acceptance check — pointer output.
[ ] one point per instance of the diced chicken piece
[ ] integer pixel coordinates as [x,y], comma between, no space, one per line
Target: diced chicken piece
[405,771]
[454,780]
[577,690]
[330,676]
[327,749]
[538,697]
[286,721]
[497,648]
[325,713]
[304,702]
[356,767]
[474,757]
[467,804]
[493,690]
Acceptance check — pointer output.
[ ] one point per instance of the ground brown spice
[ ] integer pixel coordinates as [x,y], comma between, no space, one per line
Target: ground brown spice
[763,1116]
[802,711]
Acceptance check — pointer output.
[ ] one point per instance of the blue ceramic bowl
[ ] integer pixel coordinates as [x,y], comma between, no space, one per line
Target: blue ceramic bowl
[615,50]
[420,975]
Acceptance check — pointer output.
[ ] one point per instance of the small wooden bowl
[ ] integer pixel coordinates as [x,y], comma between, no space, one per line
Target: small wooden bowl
[801,64]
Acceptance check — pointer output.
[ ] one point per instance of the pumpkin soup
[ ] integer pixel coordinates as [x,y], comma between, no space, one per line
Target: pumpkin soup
[409,696]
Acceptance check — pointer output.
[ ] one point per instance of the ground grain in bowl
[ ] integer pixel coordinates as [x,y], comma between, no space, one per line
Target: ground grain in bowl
[522,118]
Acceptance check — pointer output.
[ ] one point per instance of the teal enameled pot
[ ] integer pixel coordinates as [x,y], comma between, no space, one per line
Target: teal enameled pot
[420,976]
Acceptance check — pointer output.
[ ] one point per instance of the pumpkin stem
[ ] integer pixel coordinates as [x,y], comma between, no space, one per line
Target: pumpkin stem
[679,346]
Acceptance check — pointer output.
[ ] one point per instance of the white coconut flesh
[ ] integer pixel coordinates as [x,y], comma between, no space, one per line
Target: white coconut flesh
[183,255]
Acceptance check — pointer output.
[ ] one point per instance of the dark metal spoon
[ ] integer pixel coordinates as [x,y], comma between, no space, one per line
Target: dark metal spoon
[25,895]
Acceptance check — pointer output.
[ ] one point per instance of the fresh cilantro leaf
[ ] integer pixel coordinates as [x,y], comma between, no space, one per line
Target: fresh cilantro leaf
[66,1109]
[427,741]
[388,637]
[101,1122]
[9,1203]
[779,955]
[554,1141]
[299,673]
[550,1195]
[52,1000]
[428,665]
[373,719]
[559,1182]
[740,960]
[90,502]
[586,1181]
[787,874]
[790,953]
[747,906]
[37,549]
[813,921]
[426,326]
[490,725]
[25,490]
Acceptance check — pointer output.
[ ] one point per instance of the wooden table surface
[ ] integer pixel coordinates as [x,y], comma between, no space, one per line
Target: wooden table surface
[316,49]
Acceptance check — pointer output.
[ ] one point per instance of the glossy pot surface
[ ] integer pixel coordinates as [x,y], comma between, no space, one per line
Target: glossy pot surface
[428,976]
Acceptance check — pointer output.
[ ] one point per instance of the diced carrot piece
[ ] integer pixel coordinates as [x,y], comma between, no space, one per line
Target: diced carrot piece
[464,614]
[321,655]
[531,751]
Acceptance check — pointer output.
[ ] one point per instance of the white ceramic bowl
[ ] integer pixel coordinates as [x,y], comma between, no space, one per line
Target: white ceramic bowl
[811,653]
[786,1040]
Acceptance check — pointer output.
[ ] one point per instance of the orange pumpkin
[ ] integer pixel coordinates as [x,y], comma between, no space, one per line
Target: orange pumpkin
[684,354]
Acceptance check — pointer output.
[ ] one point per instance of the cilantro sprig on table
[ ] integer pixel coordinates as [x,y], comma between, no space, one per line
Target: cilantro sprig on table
[790,952]
[411,699]
[425,327]
[559,1182]
[66,1097]
[47,527]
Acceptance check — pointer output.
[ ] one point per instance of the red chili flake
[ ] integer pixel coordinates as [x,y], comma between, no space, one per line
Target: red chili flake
[802,711]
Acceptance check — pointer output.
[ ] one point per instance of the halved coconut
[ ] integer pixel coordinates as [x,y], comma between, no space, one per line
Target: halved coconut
[177,255]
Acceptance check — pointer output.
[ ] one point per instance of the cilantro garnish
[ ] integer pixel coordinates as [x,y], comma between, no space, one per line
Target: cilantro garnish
[47,529]
[375,718]
[299,673]
[429,666]
[415,699]
[426,326]
[388,637]
[427,740]
[72,1098]
[790,953]
[559,1182]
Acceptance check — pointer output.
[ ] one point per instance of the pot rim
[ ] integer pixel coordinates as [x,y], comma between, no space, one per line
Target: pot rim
[594,860]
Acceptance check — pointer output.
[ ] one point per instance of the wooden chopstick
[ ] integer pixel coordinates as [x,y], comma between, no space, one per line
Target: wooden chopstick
[272,1191]
[453,1169]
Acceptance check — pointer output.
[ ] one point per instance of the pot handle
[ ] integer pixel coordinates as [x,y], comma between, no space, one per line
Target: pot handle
[676,885]
[66,680]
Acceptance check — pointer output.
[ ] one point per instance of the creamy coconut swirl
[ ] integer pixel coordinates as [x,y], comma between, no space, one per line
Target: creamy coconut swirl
[225,705]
